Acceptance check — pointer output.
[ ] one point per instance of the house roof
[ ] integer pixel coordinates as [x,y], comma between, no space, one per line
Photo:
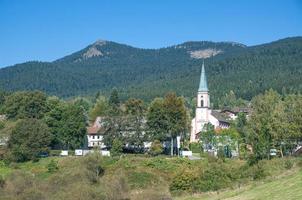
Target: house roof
[220,116]
[95,127]
[92,130]
[236,110]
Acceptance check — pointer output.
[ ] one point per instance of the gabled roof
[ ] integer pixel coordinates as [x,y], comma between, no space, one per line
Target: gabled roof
[92,130]
[220,116]
[236,110]
[95,128]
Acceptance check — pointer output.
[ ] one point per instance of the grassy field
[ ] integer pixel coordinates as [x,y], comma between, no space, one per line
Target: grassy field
[288,186]
[141,177]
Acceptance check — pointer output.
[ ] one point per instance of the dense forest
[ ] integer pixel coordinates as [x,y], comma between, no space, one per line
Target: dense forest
[149,73]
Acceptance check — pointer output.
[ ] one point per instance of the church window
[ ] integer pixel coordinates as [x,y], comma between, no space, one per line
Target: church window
[201,103]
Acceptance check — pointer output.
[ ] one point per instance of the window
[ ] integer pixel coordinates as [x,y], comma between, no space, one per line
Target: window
[201,103]
[92,137]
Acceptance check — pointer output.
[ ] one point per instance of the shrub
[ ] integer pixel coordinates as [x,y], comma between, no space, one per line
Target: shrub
[183,182]
[93,166]
[2,125]
[2,182]
[220,153]
[156,148]
[214,178]
[117,147]
[52,166]
[288,164]
[55,152]
[299,163]
[257,171]
[195,147]
[116,186]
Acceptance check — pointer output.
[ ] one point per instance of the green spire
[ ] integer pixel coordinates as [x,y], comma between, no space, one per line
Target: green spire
[203,86]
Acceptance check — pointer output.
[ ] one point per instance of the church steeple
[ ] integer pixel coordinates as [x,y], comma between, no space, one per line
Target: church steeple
[203,85]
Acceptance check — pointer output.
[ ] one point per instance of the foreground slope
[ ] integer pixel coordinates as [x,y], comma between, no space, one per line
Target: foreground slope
[147,73]
[287,187]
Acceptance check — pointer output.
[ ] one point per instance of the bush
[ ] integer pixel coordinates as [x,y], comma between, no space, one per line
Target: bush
[117,147]
[2,125]
[52,166]
[220,153]
[2,182]
[299,163]
[214,178]
[116,186]
[257,171]
[156,148]
[94,169]
[183,182]
[288,164]
[55,152]
[195,147]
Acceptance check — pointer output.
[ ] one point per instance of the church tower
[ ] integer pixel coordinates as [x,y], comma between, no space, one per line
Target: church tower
[203,103]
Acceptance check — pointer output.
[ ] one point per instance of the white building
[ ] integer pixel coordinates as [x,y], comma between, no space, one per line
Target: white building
[94,137]
[203,113]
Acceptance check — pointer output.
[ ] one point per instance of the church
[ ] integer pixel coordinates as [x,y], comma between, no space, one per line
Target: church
[203,112]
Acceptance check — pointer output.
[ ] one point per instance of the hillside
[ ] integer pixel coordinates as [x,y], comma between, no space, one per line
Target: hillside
[147,73]
[138,177]
[287,187]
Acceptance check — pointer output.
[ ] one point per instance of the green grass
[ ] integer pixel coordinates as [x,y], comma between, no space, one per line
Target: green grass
[39,169]
[148,176]
[286,187]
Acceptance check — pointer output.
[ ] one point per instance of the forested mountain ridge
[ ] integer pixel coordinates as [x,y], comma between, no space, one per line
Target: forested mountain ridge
[147,73]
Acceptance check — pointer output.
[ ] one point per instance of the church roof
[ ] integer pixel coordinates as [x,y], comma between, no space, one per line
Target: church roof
[203,85]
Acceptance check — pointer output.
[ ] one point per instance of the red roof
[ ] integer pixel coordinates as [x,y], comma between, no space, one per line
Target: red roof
[92,130]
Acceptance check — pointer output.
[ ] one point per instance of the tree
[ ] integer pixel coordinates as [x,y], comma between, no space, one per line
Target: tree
[101,108]
[83,102]
[261,136]
[157,124]
[167,118]
[67,123]
[20,105]
[287,124]
[114,98]
[135,113]
[240,125]
[208,136]
[117,147]
[28,140]
[74,126]
[176,116]
[3,95]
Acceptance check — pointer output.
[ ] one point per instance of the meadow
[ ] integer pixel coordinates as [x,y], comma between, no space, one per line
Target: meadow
[143,177]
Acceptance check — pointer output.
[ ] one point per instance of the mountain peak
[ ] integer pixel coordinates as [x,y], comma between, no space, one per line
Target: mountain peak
[99,42]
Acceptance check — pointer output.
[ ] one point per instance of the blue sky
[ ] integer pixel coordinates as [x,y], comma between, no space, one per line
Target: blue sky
[49,29]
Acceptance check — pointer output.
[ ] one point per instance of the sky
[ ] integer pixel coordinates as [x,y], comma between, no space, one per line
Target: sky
[46,30]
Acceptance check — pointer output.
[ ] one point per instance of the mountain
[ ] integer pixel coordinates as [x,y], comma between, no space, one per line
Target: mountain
[147,73]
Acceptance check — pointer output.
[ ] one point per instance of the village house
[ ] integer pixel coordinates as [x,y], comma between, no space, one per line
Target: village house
[94,136]
[232,113]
